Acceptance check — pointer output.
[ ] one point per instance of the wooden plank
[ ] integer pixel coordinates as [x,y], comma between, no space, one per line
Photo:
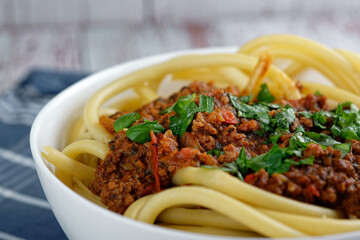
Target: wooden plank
[205,10]
[111,10]
[7,11]
[91,35]
[22,51]
[22,12]
[113,45]
[57,12]
[319,27]
[94,11]
[45,12]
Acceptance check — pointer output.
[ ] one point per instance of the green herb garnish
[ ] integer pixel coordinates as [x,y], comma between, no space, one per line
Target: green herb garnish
[206,103]
[126,121]
[277,124]
[236,167]
[215,152]
[254,111]
[245,99]
[322,139]
[180,105]
[318,93]
[274,137]
[302,140]
[344,148]
[179,123]
[346,122]
[277,160]
[319,119]
[284,118]
[185,109]
[299,129]
[141,133]
[264,94]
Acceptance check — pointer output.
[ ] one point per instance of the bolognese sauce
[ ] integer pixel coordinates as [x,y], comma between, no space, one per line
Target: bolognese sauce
[295,148]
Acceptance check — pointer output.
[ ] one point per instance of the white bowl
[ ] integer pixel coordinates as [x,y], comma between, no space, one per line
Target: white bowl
[78,217]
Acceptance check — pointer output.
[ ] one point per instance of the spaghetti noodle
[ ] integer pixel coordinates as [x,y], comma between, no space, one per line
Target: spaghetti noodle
[229,205]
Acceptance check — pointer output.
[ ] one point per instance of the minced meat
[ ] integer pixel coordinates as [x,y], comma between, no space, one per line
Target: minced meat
[127,174]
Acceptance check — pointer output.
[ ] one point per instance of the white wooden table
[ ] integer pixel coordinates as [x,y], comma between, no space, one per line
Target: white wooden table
[89,35]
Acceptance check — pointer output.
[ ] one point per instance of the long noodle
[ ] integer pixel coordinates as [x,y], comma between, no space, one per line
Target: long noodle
[231,186]
[229,207]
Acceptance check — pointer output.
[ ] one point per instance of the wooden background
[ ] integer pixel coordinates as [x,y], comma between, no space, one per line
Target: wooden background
[89,35]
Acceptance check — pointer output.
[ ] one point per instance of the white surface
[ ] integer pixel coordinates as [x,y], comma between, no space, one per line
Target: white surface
[79,218]
[90,35]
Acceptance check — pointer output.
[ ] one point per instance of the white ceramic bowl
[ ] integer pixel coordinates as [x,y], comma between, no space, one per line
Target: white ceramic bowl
[80,218]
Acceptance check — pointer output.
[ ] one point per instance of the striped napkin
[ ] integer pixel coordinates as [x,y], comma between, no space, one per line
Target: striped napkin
[24,210]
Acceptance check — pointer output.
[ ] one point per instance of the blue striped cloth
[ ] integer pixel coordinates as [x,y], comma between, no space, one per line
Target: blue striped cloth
[24,210]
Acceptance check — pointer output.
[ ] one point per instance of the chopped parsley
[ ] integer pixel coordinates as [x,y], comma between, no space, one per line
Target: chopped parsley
[279,123]
[206,103]
[126,121]
[236,167]
[345,121]
[277,160]
[274,137]
[235,100]
[181,104]
[141,133]
[254,111]
[215,152]
[283,119]
[180,122]
[319,119]
[317,93]
[264,94]
[245,99]
[185,109]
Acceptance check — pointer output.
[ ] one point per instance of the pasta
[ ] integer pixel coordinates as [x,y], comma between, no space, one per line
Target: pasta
[210,200]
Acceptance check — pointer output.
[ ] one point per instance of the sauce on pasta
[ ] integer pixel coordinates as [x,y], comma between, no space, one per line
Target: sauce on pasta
[215,139]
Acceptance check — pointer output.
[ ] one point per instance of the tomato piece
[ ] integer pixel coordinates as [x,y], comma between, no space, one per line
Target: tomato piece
[149,189]
[155,160]
[186,153]
[228,116]
[249,178]
[313,190]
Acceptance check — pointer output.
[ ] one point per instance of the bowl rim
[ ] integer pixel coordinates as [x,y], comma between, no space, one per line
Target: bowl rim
[121,70]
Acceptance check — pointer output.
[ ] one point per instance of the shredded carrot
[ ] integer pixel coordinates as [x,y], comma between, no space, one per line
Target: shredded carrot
[249,178]
[155,161]
[313,190]
[228,116]
[107,123]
